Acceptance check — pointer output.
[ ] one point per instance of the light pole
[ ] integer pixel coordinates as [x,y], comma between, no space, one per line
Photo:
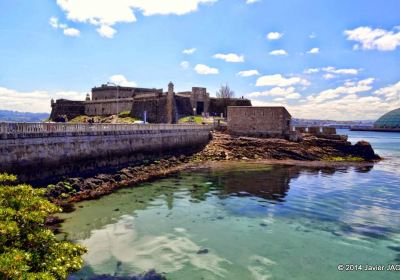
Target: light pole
[114,84]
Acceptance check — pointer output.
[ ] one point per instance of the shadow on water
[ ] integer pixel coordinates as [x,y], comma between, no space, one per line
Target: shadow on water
[268,183]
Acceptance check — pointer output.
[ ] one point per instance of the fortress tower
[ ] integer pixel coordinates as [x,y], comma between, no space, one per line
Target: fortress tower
[170,103]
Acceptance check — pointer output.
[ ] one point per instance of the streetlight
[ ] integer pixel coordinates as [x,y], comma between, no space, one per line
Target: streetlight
[114,84]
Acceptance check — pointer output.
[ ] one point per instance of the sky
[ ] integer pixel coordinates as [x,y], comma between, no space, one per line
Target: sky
[321,59]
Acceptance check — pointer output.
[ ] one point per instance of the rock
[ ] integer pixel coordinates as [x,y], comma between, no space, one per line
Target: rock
[150,275]
[364,150]
[202,251]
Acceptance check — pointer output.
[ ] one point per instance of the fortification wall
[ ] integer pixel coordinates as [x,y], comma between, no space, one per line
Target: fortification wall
[68,108]
[43,151]
[183,106]
[156,109]
[259,121]
[219,106]
[108,107]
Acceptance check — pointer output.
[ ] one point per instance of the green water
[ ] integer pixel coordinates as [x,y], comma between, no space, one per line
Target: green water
[256,222]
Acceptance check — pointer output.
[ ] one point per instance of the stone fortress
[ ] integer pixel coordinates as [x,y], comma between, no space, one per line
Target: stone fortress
[157,105]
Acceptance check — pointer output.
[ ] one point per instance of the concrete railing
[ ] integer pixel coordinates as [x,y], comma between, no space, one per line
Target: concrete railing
[20,129]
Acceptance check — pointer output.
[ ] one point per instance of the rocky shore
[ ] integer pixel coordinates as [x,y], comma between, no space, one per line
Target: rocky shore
[312,151]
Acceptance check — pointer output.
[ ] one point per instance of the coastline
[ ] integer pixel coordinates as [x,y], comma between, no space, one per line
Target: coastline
[312,152]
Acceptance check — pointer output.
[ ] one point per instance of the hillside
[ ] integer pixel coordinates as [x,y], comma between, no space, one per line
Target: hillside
[14,116]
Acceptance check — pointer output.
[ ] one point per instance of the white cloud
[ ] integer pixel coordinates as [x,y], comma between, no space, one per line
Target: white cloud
[311,70]
[109,12]
[252,1]
[347,88]
[248,73]
[106,31]
[328,76]
[205,70]
[230,57]
[344,71]
[185,65]
[68,31]
[287,93]
[70,95]
[121,80]
[373,39]
[280,81]
[348,107]
[390,93]
[278,52]
[313,51]
[348,104]
[73,32]
[312,36]
[331,72]
[34,101]
[274,36]
[53,21]
[189,51]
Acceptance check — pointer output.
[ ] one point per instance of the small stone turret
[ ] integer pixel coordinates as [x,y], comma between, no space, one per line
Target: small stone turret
[52,103]
[170,88]
[170,103]
[87,97]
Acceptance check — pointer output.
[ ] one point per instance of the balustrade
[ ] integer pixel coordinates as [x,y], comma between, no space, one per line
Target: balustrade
[20,129]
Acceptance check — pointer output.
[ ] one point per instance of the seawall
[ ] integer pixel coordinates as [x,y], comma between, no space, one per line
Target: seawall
[48,151]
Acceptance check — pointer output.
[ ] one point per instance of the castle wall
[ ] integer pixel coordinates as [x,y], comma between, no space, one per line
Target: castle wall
[108,107]
[183,106]
[112,92]
[70,109]
[200,94]
[259,121]
[156,109]
[219,106]
[39,150]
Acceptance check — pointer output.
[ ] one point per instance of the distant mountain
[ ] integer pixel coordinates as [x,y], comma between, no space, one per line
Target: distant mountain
[14,116]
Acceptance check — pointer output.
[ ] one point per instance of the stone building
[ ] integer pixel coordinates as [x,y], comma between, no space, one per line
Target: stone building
[159,106]
[259,121]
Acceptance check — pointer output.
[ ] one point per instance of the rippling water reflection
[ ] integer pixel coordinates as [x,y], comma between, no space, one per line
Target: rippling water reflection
[256,222]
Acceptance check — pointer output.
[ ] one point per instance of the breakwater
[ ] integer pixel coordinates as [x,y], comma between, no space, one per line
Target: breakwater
[39,151]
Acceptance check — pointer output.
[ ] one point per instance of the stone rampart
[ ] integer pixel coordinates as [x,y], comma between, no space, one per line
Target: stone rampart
[41,151]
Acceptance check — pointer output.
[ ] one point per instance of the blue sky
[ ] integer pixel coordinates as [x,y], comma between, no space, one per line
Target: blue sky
[321,59]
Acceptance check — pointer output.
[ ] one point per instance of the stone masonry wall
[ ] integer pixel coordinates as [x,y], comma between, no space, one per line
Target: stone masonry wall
[219,106]
[156,109]
[68,108]
[259,121]
[36,155]
[108,107]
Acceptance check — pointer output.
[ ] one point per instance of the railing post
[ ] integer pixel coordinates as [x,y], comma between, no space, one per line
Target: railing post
[3,130]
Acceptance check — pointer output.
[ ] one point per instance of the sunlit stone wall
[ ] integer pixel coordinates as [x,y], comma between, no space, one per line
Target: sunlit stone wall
[47,150]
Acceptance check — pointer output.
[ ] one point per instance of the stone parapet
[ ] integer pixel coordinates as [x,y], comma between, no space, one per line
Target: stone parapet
[47,150]
[38,130]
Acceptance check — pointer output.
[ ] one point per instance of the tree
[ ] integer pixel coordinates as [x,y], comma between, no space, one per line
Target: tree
[225,94]
[28,250]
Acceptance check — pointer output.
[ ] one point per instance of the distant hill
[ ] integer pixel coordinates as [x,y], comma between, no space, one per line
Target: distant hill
[14,116]
[332,123]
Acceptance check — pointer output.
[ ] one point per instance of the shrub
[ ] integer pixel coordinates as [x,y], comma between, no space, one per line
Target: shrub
[28,250]
[124,114]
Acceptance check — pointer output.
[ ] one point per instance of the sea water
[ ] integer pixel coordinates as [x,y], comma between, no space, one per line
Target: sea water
[250,221]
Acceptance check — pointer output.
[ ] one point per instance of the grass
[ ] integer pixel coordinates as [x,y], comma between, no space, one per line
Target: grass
[344,159]
[121,118]
[191,119]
